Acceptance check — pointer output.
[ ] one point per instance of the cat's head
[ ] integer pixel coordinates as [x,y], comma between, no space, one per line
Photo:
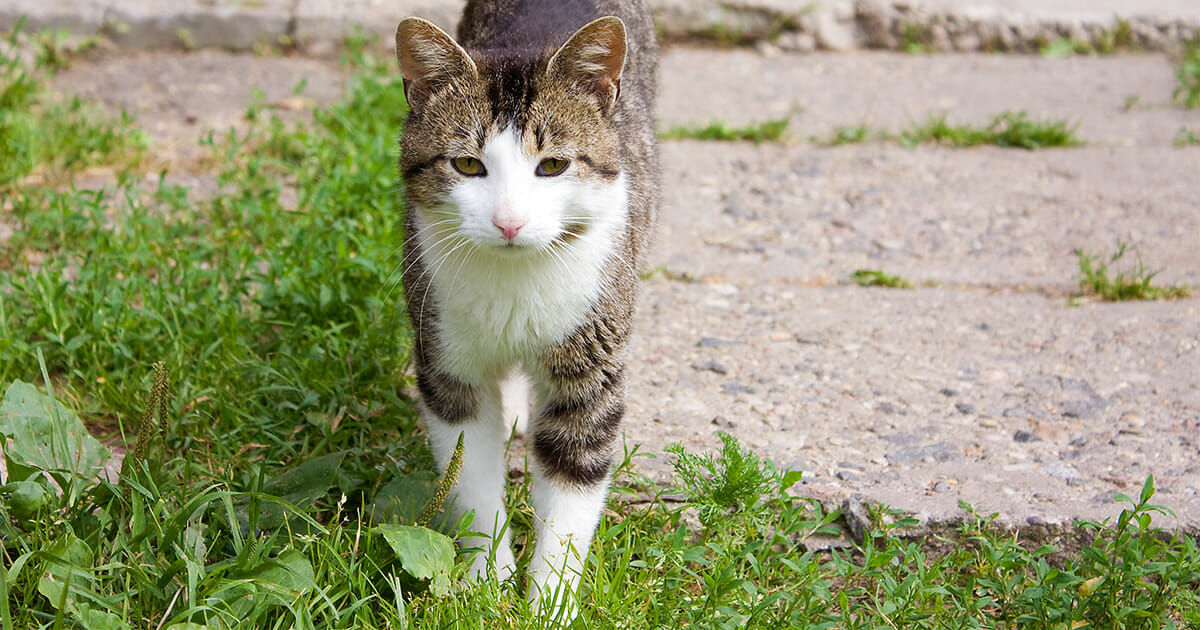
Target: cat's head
[513,152]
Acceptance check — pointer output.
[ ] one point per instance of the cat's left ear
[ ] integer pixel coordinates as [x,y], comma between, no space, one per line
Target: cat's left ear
[593,59]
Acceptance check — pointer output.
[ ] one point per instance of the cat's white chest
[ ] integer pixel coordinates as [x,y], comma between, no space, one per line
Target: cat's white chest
[496,315]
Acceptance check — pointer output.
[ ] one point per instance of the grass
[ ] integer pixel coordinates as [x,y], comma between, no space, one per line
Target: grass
[849,134]
[877,278]
[1187,76]
[250,356]
[46,140]
[1134,284]
[1186,137]
[1110,42]
[767,131]
[1008,129]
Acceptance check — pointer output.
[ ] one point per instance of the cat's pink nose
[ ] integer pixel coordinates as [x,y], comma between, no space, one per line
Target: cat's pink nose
[508,226]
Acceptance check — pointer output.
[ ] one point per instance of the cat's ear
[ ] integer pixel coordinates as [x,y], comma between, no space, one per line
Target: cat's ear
[429,58]
[593,59]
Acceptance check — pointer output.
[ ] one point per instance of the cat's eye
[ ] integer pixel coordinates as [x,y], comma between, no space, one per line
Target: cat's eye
[550,167]
[469,166]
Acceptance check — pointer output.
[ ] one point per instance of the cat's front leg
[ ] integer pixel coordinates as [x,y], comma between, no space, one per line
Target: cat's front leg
[582,385]
[452,407]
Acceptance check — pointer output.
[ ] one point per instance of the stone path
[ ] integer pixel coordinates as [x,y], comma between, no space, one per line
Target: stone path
[984,384]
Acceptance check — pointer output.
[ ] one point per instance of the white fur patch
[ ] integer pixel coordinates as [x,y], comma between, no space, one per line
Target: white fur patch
[501,303]
[567,518]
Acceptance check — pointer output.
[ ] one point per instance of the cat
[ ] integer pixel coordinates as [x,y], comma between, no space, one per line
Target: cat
[530,164]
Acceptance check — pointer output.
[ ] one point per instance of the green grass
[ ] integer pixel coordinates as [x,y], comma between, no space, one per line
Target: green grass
[275,477]
[855,134]
[1133,284]
[1118,39]
[47,141]
[767,131]
[1186,137]
[1187,76]
[877,278]
[1008,129]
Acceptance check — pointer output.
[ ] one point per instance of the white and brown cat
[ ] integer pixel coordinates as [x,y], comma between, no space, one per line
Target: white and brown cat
[531,169]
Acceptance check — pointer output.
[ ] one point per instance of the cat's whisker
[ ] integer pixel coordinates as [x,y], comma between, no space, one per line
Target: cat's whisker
[445,257]
[398,271]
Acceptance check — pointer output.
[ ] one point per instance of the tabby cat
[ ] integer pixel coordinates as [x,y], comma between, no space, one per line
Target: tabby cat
[531,168]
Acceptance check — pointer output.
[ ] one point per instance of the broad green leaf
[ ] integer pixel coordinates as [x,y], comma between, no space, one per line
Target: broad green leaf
[93,619]
[423,553]
[44,435]
[299,486]
[403,498]
[791,478]
[290,571]
[26,498]
[69,565]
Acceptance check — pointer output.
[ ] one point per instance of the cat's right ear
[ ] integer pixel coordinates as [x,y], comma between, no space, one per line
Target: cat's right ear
[429,58]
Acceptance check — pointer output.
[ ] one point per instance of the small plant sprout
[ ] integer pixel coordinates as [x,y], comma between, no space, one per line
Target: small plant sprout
[1187,76]
[1134,284]
[877,278]
[768,131]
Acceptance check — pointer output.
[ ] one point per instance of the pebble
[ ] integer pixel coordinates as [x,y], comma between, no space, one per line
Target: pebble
[939,452]
[713,342]
[1025,436]
[1059,470]
[736,388]
[965,408]
[711,366]
[1082,408]
[888,408]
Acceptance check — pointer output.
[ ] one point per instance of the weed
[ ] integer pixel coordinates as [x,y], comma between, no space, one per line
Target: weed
[849,135]
[877,278]
[1118,39]
[665,272]
[1009,129]
[916,39]
[1065,47]
[1187,76]
[51,140]
[1135,285]
[1187,137]
[768,131]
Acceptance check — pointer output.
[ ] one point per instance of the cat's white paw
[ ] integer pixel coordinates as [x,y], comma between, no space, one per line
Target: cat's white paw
[552,594]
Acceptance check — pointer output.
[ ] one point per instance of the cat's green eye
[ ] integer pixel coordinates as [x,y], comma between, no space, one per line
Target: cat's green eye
[550,167]
[468,166]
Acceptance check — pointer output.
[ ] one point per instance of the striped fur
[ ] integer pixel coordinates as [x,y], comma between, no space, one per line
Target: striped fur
[509,267]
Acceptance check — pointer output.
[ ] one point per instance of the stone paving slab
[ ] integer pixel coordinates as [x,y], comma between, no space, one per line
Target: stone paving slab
[886,91]
[318,26]
[917,399]
[988,218]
